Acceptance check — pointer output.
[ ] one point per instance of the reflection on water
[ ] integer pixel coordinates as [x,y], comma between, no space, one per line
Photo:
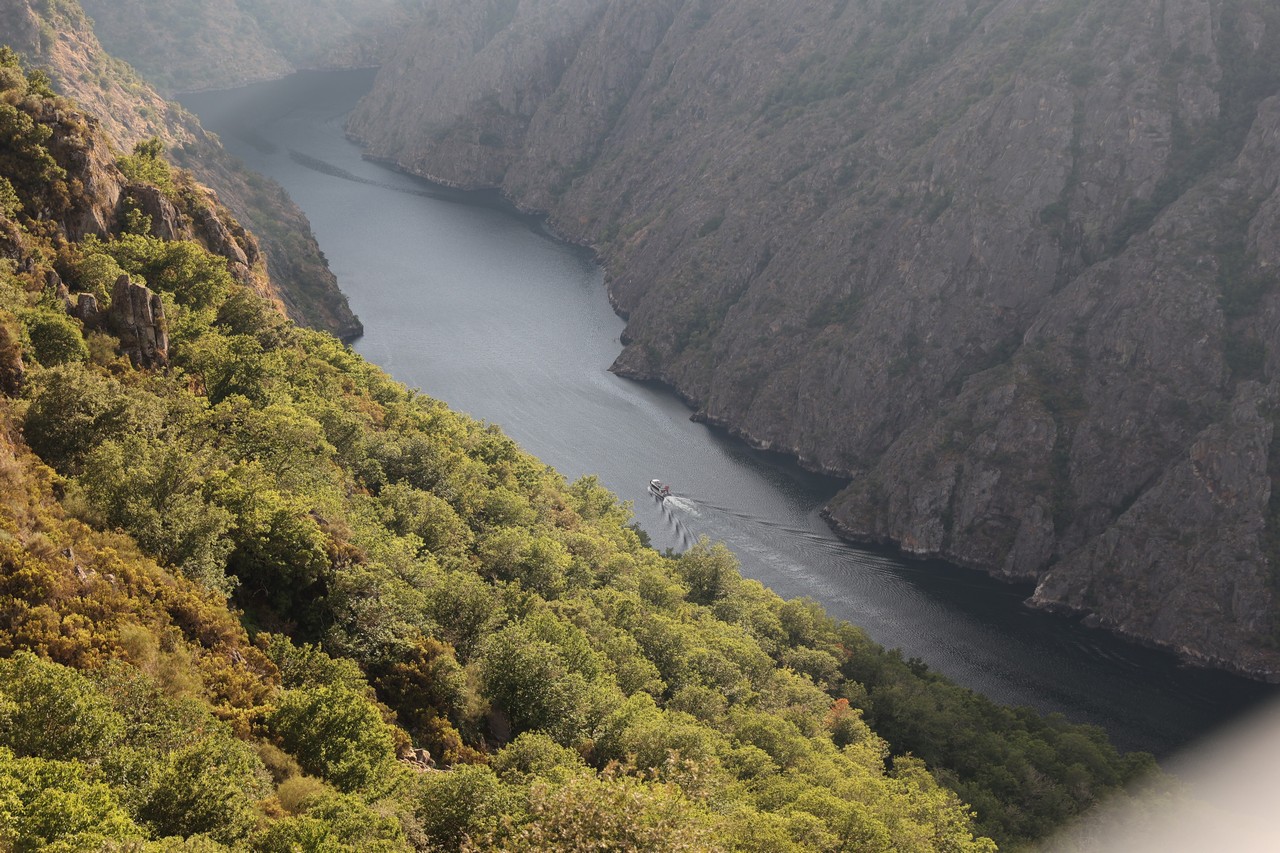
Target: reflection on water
[478,307]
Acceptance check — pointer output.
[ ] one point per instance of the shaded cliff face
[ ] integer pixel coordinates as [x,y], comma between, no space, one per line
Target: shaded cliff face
[1007,265]
[190,45]
[60,40]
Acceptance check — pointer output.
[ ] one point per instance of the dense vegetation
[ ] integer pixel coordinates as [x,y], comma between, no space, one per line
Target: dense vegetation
[234,592]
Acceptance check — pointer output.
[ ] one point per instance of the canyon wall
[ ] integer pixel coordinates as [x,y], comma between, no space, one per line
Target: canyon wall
[1007,265]
[189,45]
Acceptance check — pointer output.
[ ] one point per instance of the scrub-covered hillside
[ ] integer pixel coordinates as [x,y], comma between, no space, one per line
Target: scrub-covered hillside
[248,583]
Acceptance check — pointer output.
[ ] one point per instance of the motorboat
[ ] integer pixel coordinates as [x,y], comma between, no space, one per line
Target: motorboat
[659,489]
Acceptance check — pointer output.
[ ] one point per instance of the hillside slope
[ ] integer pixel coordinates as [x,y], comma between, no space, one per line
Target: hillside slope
[1008,265]
[59,39]
[188,45]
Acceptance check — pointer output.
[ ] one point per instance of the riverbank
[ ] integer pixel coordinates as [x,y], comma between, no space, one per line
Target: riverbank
[480,309]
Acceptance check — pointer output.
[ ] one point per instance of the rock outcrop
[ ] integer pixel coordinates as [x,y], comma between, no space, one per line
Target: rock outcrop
[219,239]
[137,317]
[1008,266]
[166,221]
[86,309]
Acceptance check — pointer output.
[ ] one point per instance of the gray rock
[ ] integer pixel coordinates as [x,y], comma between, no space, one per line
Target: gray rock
[218,237]
[86,309]
[137,317]
[60,292]
[166,221]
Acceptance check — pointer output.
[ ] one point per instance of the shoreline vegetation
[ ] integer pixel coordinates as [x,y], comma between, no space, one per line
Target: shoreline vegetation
[244,575]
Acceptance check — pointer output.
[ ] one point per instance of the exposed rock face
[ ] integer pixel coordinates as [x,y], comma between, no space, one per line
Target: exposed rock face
[86,308]
[166,221]
[137,317]
[60,292]
[1009,266]
[187,45]
[218,238]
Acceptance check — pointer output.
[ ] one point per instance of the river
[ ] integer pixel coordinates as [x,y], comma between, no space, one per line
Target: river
[480,307]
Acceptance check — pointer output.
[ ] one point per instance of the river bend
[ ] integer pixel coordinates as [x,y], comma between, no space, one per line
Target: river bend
[480,307]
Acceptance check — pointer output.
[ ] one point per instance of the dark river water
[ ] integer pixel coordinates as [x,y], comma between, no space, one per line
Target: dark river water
[481,308]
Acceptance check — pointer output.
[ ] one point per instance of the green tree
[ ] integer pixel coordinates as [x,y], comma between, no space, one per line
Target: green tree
[711,571]
[534,754]
[280,554]
[10,203]
[612,812]
[55,337]
[53,711]
[425,515]
[337,734]
[74,410]
[146,165]
[334,823]
[198,280]
[96,272]
[530,681]
[538,562]
[27,162]
[466,609]
[468,802]
[210,787]
[153,489]
[50,805]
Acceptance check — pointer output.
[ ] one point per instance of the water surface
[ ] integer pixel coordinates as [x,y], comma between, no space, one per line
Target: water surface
[481,308]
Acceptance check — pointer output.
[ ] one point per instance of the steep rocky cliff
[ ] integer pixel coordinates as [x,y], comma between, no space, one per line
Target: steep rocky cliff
[59,39]
[186,45]
[1008,265]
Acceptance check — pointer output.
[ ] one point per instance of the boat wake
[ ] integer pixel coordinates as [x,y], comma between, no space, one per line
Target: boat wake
[676,503]
[674,511]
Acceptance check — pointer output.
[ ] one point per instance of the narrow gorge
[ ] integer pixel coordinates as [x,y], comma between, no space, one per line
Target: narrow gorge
[1007,266]
[1004,268]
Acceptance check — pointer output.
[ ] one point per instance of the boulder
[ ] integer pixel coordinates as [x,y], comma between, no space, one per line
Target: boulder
[54,282]
[219,238]
[86,310]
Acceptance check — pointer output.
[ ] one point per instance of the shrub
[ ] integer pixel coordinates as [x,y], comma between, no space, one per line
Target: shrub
[337,734]
[55,337]
[210,787]
[53,711]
